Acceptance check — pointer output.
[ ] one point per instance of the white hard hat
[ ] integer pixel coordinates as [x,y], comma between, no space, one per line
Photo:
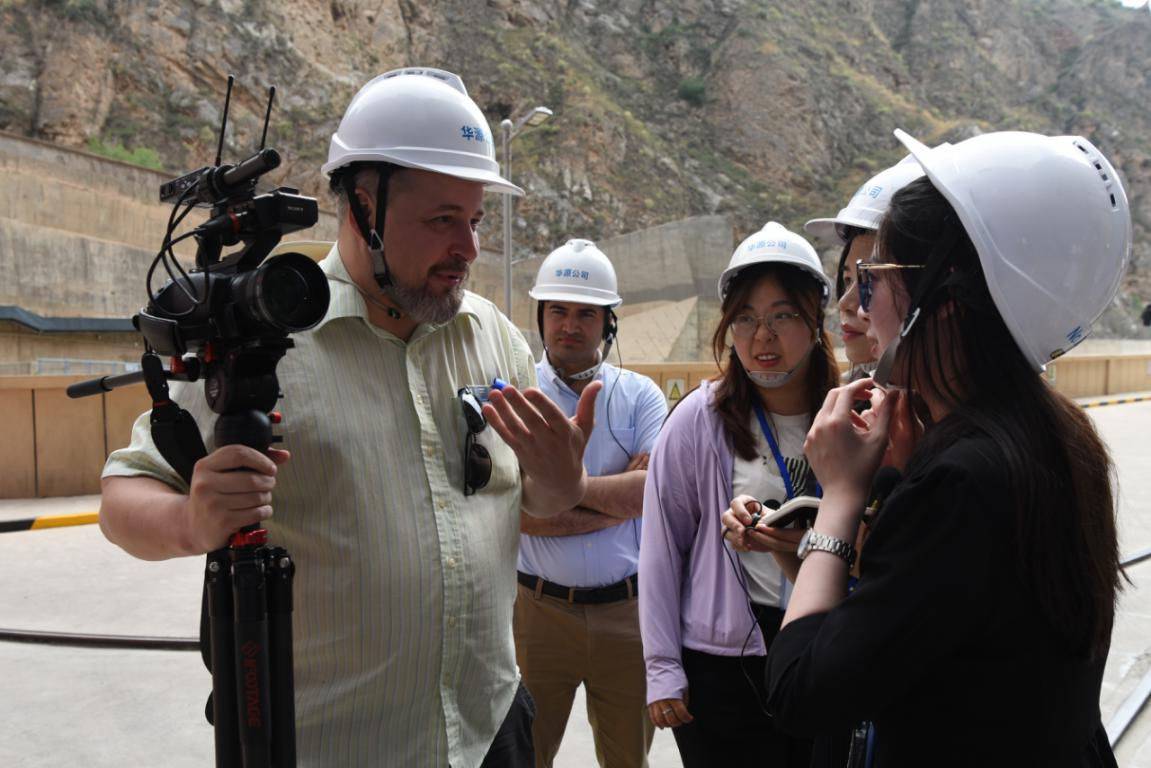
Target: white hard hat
[579,272]
[867,206]
[773,243]
[418,118]
[1050,222]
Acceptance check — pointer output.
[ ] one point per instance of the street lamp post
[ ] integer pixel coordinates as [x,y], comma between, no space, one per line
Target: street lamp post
[509,129]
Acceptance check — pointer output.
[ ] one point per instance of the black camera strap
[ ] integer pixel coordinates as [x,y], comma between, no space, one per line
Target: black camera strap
[174,431]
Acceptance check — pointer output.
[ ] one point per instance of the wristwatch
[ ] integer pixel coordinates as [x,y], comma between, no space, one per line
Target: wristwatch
[813,542]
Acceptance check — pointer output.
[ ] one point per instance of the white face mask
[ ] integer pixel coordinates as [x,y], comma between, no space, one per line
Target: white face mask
[770,379]
[776,379]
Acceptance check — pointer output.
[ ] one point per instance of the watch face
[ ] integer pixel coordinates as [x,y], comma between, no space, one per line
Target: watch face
[804,543]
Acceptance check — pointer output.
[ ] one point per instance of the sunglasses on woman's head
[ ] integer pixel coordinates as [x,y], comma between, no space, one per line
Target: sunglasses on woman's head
[863,270]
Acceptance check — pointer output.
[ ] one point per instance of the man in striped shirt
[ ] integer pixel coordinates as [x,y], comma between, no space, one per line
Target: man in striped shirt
[399,506]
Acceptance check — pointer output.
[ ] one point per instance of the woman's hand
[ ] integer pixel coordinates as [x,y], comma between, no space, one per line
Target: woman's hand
[668,713]
[760,539]
[903,431]
[844,448]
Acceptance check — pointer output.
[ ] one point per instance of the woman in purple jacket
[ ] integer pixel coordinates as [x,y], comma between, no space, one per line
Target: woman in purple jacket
[707,613]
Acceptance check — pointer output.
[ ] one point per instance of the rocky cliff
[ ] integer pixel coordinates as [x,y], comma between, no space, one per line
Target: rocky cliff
[664,108]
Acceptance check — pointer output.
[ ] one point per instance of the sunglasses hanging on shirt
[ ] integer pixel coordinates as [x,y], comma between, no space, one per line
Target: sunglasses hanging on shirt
[477,460]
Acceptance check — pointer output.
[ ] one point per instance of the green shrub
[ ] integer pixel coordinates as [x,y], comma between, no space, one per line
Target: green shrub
[693,90]
[90,11]
[149,158]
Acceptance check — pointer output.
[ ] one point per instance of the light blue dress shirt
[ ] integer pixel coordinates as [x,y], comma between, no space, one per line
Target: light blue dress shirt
[629,412]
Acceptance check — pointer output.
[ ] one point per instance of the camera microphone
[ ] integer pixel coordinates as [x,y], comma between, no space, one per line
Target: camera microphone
[215,183]
[257,165]
[227,181]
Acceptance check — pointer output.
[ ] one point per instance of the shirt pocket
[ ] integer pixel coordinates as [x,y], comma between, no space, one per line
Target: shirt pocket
[505,465]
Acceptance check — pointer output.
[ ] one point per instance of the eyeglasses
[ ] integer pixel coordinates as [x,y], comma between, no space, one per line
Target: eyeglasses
[746,324]
[477,460]
[866,281]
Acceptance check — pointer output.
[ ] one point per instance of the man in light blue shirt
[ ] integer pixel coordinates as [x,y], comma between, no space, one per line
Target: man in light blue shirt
[576,616]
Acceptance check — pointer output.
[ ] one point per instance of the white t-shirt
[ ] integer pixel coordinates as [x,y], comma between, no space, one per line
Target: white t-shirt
[760,477]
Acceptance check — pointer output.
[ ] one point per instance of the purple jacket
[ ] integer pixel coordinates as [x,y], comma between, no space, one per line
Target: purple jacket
[689,591]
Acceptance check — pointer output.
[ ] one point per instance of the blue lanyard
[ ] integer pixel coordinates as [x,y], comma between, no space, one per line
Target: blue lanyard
[783,473]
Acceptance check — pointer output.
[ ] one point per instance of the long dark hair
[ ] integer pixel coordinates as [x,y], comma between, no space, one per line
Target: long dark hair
[735,392]
[849,234]
[1067,554]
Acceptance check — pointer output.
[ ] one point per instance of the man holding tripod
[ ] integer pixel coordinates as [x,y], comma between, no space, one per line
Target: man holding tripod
[399,506]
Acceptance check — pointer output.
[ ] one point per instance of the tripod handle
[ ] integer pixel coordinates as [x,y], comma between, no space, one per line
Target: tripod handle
[103,384]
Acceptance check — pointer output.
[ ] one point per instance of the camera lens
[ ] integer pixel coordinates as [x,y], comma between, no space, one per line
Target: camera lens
[286,293]
[283,291]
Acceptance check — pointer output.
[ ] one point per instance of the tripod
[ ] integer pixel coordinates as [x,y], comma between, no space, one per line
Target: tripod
[248,589]
[246,615]
[248,618]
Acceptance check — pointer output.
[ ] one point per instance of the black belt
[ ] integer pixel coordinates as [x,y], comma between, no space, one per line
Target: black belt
[612,593]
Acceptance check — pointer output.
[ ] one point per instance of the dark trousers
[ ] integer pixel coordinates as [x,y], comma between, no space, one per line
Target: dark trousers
[512,747]
[731,727]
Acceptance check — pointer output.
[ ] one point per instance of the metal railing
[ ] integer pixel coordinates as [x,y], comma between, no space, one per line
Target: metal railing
[1131,707]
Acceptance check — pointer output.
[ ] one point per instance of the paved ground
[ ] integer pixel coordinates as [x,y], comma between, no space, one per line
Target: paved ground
[111,708]
[1127,430]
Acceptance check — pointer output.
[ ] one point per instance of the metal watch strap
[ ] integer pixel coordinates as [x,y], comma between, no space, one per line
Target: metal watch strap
[818,542]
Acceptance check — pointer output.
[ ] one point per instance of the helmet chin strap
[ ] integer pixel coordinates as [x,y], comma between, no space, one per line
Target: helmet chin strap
[373,236]
[883,370]
[589,373]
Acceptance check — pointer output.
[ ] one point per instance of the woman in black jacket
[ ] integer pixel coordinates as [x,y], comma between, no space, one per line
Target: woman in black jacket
[981,622]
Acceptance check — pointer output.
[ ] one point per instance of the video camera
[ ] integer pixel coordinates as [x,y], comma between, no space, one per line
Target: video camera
[242,296]
[228,308]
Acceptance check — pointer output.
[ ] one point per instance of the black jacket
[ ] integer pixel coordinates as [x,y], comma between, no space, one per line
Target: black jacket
[938,644]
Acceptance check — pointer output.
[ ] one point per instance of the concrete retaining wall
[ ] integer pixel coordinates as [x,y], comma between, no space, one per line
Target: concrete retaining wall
[78,232]
[55,446]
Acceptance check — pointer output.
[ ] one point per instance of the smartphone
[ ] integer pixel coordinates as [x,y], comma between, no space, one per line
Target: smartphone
[797,512]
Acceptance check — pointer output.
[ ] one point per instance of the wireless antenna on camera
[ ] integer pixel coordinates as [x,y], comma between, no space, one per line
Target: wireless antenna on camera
[220,182]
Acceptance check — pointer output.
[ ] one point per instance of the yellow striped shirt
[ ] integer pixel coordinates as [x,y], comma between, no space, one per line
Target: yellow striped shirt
[404,586]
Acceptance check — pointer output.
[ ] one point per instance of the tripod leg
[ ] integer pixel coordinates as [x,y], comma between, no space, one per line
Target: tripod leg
[251,655]
[218,582]
[281,570]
